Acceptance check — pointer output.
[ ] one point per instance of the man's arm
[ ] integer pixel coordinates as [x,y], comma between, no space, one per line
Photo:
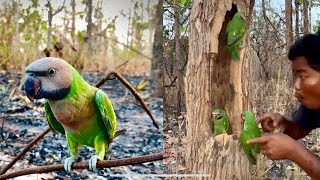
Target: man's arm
[308,161]
[280,146]
[293,130]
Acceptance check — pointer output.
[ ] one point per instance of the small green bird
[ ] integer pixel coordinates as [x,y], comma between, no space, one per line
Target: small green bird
[220,122]
[83,113]
[250,131]
[236,30]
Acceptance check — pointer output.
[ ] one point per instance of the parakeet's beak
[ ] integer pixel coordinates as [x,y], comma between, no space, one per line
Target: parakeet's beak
[32,87]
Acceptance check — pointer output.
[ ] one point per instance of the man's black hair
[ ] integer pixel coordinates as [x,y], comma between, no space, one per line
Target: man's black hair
[307,46]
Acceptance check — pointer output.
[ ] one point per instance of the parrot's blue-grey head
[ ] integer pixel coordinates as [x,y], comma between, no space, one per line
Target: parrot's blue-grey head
[48,78]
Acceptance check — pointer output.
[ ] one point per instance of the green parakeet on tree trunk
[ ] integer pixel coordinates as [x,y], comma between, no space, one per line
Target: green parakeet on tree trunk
[250,131]
[73,107]
[236,29]
[220,122]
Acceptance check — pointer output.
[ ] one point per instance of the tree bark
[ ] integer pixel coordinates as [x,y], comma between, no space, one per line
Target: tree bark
[157,54]
[213,80]
[288,16]
[306,29]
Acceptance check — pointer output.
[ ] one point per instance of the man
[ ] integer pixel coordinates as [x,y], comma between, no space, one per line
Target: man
[305,57]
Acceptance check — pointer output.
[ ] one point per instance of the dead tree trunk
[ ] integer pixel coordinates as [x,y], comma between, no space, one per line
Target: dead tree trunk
[157,54]
[288,16]
[213,80]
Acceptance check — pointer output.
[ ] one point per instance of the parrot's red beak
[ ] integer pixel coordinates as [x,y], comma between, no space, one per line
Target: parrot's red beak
[32,87]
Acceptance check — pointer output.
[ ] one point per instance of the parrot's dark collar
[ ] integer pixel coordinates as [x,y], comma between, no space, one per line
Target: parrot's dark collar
[54,95]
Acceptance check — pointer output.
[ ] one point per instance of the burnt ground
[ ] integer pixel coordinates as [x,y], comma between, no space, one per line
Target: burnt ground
[21,121]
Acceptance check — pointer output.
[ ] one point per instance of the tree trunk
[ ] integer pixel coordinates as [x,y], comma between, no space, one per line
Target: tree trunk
[89,27]
[73,19]
[305,17]
[297,4]
[288,16]
[177,65]
[157,54]
[16,31]
[49,36]
[213,80]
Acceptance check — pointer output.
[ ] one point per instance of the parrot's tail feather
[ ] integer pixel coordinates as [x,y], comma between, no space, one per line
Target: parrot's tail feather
[120,132]
[235,55]
[252,158]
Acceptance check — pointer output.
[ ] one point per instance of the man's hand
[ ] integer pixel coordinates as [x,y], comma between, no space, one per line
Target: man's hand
[270,121]
[276,146]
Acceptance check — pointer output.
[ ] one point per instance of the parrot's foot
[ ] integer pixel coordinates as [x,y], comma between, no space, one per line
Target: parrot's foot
[93,162]
[67,164]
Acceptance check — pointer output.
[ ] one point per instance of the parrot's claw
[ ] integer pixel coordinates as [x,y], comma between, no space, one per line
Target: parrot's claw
[93,162]
[67,164]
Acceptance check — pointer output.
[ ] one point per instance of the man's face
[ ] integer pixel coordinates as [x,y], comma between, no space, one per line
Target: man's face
[306,83]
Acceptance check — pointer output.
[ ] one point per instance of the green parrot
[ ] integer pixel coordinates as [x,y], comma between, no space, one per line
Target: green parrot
[250,131]
[83,113]
[220,122]
[236,29]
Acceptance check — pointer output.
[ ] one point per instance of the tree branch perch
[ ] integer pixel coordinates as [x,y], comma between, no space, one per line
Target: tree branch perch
[84,165]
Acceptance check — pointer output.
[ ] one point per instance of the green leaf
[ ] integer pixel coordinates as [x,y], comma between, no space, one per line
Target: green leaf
[182,28]
[80,37]
[54,39]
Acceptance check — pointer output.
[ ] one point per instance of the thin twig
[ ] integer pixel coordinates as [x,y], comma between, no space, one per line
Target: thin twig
[132,49]
[84,165]
[24,151]
[133,91]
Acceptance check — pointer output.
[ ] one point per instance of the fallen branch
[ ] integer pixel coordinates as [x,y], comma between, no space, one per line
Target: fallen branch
[24,151]
[84,165]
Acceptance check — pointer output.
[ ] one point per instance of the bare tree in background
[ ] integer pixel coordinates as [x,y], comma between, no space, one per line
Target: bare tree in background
[157,54]
[89,26]
[297,11]
[288,16]
[51,14]
[306,25]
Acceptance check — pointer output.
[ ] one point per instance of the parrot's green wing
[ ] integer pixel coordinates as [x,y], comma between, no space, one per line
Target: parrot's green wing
[52,121]
[251,150]
[107,113]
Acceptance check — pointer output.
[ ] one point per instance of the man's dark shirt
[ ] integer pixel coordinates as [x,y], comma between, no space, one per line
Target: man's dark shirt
[306,118]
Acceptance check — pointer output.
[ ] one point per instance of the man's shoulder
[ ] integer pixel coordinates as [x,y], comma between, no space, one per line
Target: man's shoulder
[307,118]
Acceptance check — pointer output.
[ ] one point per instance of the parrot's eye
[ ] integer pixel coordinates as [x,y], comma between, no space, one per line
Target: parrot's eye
[32,75]
[51,72]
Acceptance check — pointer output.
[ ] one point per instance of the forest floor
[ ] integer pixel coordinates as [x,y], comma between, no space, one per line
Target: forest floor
[21,121]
